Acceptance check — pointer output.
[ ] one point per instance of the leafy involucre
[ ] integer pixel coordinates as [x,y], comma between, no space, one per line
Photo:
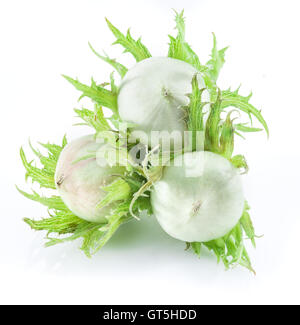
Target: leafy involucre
[120,68]
[94,235]
[61,220]
[180,24]
[227,138]
[43,176]
[212,127]
[244,128]
[179,49]
[196,107]
[247,225]
[230,248]
[94,119]
[217,60]
[97,93]
[234,99]
[53,202]
[219,138]
[136,48]
[195,111]
[59,223]
[116,191]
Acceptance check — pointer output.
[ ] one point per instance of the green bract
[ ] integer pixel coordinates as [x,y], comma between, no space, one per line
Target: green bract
[205,109]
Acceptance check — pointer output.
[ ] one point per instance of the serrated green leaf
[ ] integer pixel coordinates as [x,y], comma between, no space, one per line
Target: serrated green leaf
[248,226]
[179,49]
[180,23]
[227,138]
[41,176]
[182,51]
[48,162]
[195,107]
[217,60]
[98,94]
[235,100]
[136,48]
[120,68]
[116,191]
[94,119]
[53,202]
[55,149]
[212,127]
[60,223]
[113,87]
[244,128]
[195,111]
[90,247]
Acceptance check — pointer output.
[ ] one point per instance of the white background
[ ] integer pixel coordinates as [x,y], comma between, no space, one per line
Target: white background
[40,40]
